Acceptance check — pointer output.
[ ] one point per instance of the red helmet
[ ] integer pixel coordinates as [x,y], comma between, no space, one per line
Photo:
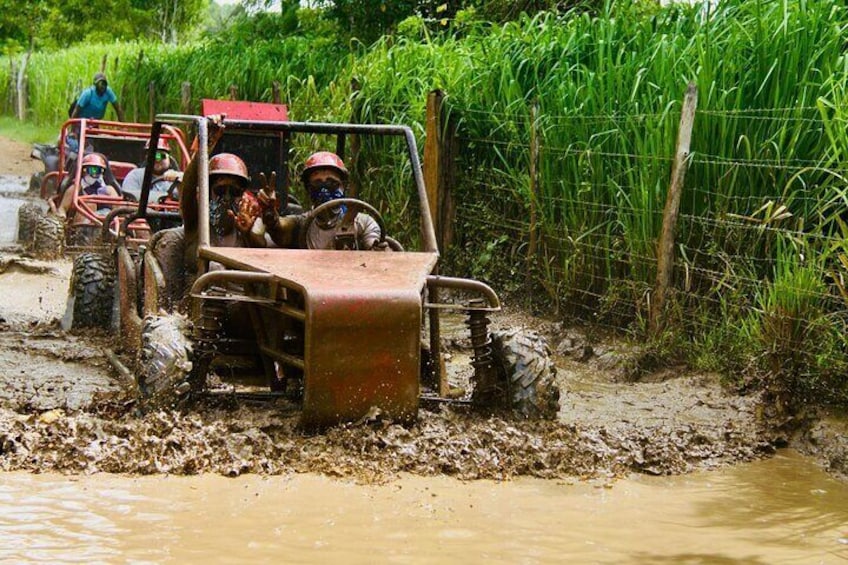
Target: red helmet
[161,145]
[323,159]
[228,164]
[96,159]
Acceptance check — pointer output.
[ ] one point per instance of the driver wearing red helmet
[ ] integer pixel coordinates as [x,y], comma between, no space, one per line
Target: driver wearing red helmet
[164,173]
[324,178]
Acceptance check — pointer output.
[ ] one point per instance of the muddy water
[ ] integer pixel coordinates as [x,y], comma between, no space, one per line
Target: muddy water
[781,510]
[12,189]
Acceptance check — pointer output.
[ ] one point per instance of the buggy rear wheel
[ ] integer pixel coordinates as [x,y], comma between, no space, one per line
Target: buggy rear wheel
[28,215]
[524,379]
[92,292]
[164,362]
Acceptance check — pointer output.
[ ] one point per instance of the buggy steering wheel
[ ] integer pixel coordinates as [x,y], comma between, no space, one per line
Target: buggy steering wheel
[348,217]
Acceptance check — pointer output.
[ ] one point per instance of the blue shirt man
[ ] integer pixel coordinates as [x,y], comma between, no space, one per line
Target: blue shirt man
[94,99]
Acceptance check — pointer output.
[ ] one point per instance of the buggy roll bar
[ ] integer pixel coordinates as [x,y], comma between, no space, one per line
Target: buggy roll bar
[428,234]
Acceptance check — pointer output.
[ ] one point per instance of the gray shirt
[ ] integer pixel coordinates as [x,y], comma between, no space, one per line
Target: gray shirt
[367,234]
[132,184]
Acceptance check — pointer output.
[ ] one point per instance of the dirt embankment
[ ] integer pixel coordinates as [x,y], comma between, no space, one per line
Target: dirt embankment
[64,408]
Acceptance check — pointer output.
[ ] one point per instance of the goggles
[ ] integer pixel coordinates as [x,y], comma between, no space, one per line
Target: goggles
[227,189]
[160,155]
[94,170]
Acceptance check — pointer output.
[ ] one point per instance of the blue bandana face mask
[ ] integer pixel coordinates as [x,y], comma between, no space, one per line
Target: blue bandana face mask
[324,192]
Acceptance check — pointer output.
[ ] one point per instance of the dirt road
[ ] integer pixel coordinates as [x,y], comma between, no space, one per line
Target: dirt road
[64,408]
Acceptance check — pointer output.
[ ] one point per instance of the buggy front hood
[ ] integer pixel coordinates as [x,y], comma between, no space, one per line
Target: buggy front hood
[363,318]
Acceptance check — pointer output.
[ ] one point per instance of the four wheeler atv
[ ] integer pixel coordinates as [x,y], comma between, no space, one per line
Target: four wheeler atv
[338,330]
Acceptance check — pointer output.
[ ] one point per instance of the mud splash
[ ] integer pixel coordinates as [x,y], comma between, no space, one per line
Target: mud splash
[232,437]
[63,408]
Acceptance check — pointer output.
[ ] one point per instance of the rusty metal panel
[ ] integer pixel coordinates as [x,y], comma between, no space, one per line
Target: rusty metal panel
[361,352]
[354,271]
[363,326]
[239,110]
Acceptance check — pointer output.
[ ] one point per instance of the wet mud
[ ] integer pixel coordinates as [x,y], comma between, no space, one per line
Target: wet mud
[65,408]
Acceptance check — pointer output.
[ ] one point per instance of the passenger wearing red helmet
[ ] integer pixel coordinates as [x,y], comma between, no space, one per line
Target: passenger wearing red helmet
[324,177]
[165,174]
[91,182]
[233,210]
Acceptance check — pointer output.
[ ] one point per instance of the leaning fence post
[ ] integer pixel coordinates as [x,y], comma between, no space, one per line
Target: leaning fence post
[354,183]
[665,249]
[233,92]
[432,159]
[276,97]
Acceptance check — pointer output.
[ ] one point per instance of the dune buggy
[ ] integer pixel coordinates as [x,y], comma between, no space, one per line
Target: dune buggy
[344,333]
[123,144]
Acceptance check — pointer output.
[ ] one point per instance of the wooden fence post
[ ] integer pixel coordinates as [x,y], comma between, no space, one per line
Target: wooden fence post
[534,188]
[665,249]
[433,159]
[276,97]
[103,63]
[439,148]
[135,96]
[354,185]
[438,179]
[185,97]
[151,95]
[233,92]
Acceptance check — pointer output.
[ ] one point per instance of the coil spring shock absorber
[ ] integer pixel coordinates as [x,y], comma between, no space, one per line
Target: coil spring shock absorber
[207,333]
[484,369]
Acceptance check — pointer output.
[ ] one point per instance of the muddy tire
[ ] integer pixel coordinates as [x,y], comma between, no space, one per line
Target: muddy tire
[92,292]
[164,362]
[524,379]
[48,238]
[28,215]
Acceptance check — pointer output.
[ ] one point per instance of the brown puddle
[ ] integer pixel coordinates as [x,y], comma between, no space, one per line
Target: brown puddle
[782,510]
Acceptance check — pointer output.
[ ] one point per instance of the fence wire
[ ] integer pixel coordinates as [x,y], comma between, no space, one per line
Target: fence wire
[761,230]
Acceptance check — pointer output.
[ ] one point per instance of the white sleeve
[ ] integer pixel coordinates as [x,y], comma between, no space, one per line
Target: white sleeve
[367,231]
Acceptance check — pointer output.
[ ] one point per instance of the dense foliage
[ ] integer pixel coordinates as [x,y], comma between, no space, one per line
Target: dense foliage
[59,23]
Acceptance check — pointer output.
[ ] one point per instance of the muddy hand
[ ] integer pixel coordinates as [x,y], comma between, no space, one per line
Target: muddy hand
[216,128]
[248,210]
[267,198]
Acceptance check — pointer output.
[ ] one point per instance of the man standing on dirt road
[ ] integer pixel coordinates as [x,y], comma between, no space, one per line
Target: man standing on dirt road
[92,102]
